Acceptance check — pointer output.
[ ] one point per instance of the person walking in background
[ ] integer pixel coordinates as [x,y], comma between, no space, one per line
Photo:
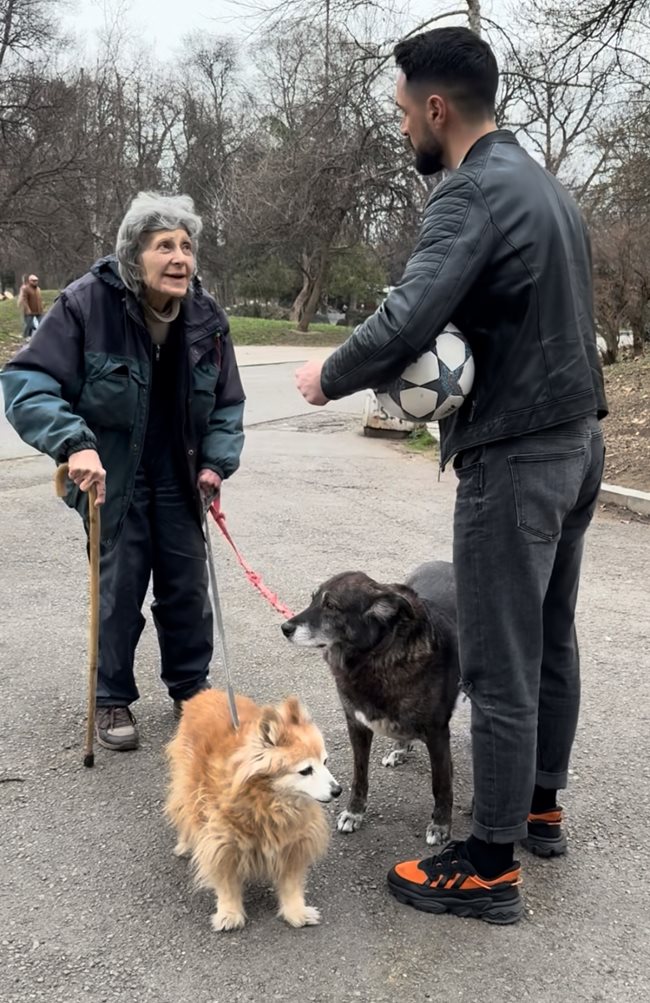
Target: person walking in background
[30,303]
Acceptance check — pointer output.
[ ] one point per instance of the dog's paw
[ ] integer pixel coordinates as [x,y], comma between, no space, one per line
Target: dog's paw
[307,915]
[397,756]
[227,919]
[181,849]
[437,835]
[349,821]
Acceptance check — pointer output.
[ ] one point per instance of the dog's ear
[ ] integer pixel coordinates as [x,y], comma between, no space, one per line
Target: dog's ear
[270,726]
[294,712]
[388,605]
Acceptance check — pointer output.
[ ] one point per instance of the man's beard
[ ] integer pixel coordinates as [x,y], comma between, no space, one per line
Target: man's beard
[429,161]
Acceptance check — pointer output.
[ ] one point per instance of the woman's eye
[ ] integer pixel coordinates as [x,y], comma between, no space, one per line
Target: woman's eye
[307,772]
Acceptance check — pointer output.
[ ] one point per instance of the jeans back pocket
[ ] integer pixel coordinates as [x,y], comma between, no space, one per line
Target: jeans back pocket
[546,488]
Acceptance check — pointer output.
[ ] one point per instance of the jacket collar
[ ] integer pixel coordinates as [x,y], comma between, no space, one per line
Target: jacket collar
[106,270]
[196,312]
[489,139]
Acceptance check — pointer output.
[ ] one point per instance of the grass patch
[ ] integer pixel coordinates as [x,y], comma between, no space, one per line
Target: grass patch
[257,331]
[421,441]
[244,330]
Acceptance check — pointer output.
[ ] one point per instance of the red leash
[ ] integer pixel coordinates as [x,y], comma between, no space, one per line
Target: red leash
[253,577]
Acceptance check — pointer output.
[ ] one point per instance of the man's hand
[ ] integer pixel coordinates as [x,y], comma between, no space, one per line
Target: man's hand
[85,469]
[308,383]
[209,485]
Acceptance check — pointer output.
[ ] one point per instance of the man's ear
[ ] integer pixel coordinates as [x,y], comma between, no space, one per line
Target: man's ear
[436,109]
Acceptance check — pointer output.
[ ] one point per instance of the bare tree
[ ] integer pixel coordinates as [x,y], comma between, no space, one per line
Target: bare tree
[590,18]
[559,99]
[26,28]
[326,162]
[619,212]
[208,137]
[621,283]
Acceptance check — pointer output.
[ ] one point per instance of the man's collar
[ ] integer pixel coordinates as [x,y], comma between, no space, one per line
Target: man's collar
[495,136]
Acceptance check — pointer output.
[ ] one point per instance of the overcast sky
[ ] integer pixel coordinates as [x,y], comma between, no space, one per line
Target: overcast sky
[163,23]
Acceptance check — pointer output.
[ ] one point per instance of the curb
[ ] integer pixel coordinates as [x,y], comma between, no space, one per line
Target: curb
[636,501]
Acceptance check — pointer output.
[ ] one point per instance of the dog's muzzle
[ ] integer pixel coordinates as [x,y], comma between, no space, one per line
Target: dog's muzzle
[288,628]
[335,792]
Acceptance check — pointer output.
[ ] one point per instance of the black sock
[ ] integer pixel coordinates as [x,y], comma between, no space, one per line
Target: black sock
[489,859]
[544,799]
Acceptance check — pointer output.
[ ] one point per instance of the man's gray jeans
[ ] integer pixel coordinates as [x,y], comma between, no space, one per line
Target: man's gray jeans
[522,509]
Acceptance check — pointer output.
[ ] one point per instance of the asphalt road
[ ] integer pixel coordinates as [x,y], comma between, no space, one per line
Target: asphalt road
[94,907]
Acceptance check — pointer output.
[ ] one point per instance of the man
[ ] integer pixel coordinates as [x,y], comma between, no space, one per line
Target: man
[504,254]
[30,302]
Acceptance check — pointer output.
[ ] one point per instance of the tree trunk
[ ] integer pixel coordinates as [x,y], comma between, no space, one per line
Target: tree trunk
[610,336]
[298,305]
[314,270]
[474,15]
[313,299]
[637,340]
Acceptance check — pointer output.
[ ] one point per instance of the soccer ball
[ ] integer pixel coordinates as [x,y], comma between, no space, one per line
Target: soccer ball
[435,385]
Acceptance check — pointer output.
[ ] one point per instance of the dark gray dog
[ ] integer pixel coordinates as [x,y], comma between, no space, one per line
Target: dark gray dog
[393,652]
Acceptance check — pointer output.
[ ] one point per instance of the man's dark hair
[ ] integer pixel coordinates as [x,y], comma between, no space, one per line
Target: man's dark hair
[456,60]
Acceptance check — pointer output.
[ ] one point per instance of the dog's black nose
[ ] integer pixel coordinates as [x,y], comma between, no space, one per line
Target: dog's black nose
[288,628]
[336,791]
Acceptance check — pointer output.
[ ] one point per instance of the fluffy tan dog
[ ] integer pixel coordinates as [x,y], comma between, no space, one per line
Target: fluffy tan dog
[244,803]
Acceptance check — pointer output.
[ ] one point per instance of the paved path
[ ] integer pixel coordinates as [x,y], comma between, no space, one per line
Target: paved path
[94,906]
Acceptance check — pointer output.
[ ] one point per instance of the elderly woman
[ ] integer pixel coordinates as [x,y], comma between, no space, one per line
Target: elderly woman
[131,379]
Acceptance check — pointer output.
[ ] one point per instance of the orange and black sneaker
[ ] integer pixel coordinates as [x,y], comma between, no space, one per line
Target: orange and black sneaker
[546,837]
[449,882]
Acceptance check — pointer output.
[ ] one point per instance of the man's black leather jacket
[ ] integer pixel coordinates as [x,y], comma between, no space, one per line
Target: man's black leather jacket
[504,254]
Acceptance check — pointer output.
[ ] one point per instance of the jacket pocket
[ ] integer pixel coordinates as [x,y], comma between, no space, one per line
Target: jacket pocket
[109,396]
[203,396]
[546,487]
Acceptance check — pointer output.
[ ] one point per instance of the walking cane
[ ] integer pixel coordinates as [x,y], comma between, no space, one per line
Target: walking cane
[93,622]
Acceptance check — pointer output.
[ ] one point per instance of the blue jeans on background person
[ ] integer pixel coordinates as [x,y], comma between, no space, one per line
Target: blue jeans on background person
[30,323]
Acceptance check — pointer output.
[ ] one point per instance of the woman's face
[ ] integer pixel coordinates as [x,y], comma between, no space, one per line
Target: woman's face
[167,263]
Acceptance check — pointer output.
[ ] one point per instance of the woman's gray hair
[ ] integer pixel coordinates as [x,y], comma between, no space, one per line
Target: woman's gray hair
[150,212]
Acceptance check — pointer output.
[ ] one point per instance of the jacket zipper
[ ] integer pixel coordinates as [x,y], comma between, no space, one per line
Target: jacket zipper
[127,315]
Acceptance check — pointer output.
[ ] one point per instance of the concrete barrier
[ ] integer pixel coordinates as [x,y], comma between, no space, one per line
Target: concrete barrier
[636,501]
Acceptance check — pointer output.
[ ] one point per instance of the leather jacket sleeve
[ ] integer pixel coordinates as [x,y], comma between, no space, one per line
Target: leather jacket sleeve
[454,245]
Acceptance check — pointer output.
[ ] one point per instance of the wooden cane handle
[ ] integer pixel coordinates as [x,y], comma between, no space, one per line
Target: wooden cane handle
[60,478]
